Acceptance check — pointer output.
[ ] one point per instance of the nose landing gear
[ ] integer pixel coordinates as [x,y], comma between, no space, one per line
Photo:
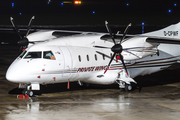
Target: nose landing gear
[28,91]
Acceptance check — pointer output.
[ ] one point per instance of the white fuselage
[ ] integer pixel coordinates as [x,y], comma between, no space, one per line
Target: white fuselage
[77,60]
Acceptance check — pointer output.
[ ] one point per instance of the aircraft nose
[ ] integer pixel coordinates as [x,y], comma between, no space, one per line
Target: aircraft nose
[14,72]
[11,75]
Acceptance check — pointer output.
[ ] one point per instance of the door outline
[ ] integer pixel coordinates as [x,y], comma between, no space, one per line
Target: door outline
[67,58]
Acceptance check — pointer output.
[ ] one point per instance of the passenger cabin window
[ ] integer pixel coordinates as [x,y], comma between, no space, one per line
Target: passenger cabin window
[87,57]
[22,54]
[33,55]
[103,57]
[95,57]
[79,58]
[48,55]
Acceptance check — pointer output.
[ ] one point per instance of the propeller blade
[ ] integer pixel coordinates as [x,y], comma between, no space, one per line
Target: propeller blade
[24,40]
[109,30]
[134,48]
[102,47]
[125,32]
[132,53]
[15,27]
[29,25]
[110,62]
[122,60]
[118,32]
[104,55]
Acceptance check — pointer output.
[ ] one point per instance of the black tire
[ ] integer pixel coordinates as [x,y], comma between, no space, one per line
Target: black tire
[128,87]
[30,93]
[24,92]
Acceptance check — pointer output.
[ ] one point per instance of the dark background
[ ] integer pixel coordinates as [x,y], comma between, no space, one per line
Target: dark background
[151,12]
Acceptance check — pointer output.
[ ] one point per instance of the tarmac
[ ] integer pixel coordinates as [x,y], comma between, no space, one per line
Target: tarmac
[157,97]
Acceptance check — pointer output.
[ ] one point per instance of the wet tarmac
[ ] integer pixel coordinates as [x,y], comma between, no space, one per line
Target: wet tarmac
[157,97]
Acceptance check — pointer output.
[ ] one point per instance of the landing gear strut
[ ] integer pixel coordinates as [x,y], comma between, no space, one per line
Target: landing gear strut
[83,84]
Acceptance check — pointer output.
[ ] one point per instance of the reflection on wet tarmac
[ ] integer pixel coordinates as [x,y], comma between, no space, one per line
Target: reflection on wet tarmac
[103,105]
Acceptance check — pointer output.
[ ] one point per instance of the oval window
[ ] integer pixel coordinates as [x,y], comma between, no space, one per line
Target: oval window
[103,57]
[87,57]
[79,58]
[95,57]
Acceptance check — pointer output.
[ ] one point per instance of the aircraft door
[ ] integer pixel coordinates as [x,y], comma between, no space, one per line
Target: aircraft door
[67,61]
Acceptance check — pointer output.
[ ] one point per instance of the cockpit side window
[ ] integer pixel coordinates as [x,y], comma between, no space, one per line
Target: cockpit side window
[22,54]
[48,55]
[33,55]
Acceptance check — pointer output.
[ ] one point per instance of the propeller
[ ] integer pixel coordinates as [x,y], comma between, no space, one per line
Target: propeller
[117,48]
[23,42]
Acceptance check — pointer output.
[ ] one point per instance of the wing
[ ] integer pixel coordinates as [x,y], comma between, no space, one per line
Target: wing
[117,37]
[149,39]
[160,40]
[44,35]
[58,34]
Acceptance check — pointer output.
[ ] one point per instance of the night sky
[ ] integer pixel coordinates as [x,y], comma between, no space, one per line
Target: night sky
[91,11]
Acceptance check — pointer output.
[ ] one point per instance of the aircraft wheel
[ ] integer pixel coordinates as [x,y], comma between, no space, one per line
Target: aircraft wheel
[128,87]
[30,93]
[24,92]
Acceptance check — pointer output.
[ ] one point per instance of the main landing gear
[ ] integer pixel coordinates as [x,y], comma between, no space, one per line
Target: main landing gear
[124,86]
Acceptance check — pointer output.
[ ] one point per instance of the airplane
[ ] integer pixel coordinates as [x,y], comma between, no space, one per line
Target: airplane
[57,56]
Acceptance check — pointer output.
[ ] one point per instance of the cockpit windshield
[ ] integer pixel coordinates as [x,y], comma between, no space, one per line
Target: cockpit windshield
[37,54]
[23,53]
[48,55]
[33,55]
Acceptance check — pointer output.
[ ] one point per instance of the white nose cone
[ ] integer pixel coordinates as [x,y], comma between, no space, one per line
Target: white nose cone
[15,71]
[12,74]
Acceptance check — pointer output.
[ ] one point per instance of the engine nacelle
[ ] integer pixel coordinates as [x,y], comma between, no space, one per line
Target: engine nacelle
[137,48]
[40,36]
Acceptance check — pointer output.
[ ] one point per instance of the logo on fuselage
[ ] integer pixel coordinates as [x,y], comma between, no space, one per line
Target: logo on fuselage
[94,68]
[170,33]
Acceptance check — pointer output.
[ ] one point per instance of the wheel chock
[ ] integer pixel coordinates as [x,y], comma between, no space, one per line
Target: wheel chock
[21,96]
